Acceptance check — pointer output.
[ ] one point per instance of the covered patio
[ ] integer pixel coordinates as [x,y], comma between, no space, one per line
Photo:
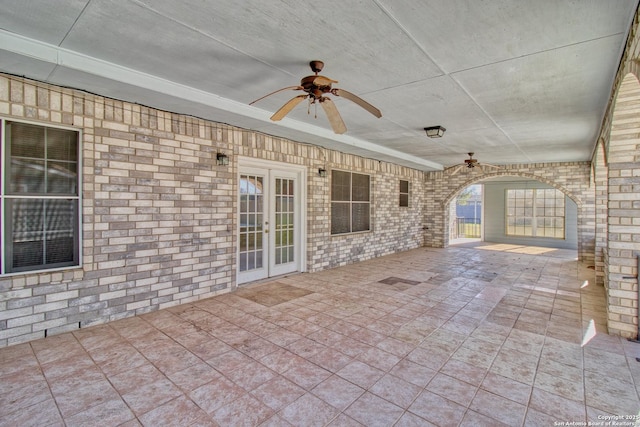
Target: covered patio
[475,334]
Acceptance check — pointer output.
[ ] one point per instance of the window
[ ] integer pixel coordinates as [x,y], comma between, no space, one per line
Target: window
[39,197]
[350,202]
[404,193]
[535,213]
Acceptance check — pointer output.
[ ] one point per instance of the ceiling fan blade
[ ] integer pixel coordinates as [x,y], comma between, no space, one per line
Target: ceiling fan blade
[284,110]
[323,81]
[361,102]
[333,115]
[279,90]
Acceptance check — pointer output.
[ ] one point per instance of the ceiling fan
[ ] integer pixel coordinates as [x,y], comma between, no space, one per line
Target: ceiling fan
[316,88]
[469,163]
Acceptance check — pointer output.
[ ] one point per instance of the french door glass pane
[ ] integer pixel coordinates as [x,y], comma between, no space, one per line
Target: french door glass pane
[284,224]
[251,222]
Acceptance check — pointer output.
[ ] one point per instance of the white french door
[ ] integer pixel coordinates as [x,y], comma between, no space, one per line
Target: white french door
[270,218]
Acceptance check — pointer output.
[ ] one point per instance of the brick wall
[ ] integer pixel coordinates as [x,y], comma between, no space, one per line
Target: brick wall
[396,228]
[158,223]
[393,228]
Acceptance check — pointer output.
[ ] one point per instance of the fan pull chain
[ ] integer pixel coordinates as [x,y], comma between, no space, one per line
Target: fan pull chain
[315,114]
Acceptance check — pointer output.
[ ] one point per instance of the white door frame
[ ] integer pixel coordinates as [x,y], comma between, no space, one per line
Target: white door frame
[300,220]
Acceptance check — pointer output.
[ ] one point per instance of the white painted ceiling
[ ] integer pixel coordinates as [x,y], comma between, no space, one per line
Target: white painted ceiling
[513,81]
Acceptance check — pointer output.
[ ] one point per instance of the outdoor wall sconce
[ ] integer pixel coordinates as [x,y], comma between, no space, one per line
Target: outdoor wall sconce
[223,159]
[322,172]
[435,131]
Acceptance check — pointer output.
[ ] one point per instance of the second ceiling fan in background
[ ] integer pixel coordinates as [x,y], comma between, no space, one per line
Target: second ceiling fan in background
[470,163]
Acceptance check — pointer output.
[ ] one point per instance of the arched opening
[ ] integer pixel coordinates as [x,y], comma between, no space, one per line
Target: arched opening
[581,227]
[466,212]
[518,209]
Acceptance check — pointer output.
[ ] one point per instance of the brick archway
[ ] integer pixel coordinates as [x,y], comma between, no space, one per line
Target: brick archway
[573,179]
[490,175]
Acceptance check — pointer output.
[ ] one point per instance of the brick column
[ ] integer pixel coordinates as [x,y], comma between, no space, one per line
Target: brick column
[601,177]
[624,209]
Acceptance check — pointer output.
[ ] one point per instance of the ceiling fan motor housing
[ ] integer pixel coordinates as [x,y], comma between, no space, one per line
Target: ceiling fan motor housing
[316,66]
[309,86]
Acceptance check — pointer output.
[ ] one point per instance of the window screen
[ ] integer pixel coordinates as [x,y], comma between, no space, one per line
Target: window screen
[40,227]
[350,202]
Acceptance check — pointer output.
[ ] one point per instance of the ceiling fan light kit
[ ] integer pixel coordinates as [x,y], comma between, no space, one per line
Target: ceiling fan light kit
[316,88]
[435,131]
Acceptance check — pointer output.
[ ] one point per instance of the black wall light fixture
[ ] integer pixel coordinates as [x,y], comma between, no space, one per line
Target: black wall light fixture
[222,159]
[435,131]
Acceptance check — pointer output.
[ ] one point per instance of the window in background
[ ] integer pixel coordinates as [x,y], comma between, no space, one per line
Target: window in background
[535,213]
[404,193]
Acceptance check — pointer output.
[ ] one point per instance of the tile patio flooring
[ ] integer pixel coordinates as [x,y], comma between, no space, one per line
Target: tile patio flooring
[490,335]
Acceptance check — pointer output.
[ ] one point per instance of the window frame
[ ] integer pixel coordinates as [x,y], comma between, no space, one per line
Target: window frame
[534,217]
[350,203]
[7,196]
[401,193]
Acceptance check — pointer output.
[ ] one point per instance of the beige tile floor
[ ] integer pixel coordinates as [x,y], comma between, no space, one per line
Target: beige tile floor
[486,335]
